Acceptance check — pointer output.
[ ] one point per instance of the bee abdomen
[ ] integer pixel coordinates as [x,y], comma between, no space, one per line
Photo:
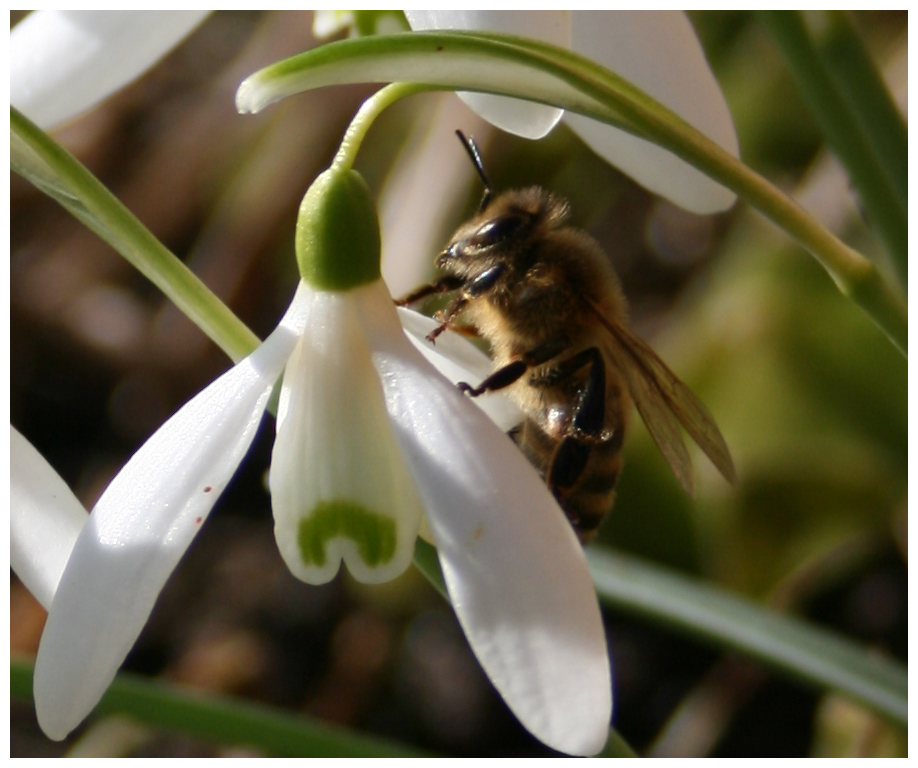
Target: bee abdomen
[590,498]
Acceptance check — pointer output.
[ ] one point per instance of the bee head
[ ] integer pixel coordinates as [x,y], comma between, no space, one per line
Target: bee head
[505,232]
[502,241]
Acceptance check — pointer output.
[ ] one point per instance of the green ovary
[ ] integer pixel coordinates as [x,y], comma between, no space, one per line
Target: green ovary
[374,534]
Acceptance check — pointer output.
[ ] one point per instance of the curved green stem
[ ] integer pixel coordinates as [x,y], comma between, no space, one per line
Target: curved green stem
[540,72]
[366,116]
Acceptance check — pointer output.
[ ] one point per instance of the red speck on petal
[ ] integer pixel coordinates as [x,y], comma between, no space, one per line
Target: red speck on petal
[198,520]
[208,489]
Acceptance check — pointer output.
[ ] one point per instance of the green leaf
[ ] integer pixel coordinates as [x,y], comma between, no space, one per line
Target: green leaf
[850,103]
[427,562]
[39,159]
[223,719]
[815,656]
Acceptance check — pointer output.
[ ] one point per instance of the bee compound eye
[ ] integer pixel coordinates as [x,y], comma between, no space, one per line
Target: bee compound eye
[499,230]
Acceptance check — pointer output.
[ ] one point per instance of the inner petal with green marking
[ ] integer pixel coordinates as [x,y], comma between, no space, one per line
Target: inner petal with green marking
[372,533]
[341,491]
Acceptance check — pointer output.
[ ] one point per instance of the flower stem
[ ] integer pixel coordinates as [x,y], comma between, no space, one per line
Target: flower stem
[366,116]
[43,162]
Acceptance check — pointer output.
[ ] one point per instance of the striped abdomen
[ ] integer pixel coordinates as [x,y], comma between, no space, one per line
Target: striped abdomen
[591,496]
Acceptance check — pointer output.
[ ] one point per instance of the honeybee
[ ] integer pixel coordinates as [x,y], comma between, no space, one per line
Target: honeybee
[545,297]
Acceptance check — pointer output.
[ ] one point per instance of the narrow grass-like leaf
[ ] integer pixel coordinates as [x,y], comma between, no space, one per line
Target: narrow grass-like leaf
[47,165]
[816,656]
[846,99]
[527,69]
[223,720]
[863,89]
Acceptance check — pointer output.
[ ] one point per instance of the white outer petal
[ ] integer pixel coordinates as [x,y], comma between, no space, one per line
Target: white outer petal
[413,216]
[516,574]
[659,52]
[523,118]
[63,62]
[141,527]
[45,520]
[459,360]
[335,443]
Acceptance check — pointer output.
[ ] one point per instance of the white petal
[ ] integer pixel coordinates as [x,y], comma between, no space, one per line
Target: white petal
[516,574]
[141,527]
[63,62]
[329,23]
[658,52]
[413,216]
[459,360]
[523,118]
[340,488]
[45,520]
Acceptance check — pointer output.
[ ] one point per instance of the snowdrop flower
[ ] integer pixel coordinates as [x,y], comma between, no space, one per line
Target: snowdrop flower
[64,62]
[369,439]
[657,51]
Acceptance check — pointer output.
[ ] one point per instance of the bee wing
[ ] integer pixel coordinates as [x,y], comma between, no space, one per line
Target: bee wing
[660,420]
[659,397]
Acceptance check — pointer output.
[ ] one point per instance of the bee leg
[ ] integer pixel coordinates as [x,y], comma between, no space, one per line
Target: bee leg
[446,318]
[444,285]
[505,376]
[470,290]
[570,457]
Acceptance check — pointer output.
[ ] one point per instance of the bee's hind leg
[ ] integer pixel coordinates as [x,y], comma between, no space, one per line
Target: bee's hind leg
[511,372]
[570,458]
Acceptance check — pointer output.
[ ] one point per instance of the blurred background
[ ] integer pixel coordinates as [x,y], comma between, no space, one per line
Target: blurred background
[811,398]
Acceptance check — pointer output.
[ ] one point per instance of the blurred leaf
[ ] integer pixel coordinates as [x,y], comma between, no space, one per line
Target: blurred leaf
[846,97]
[843,729]
[815,656]
[224,720]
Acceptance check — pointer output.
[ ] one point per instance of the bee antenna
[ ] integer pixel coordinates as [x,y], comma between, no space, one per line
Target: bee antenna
[472,148]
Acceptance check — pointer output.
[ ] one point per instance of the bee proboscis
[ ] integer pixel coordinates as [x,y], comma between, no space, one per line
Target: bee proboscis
[545,297]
